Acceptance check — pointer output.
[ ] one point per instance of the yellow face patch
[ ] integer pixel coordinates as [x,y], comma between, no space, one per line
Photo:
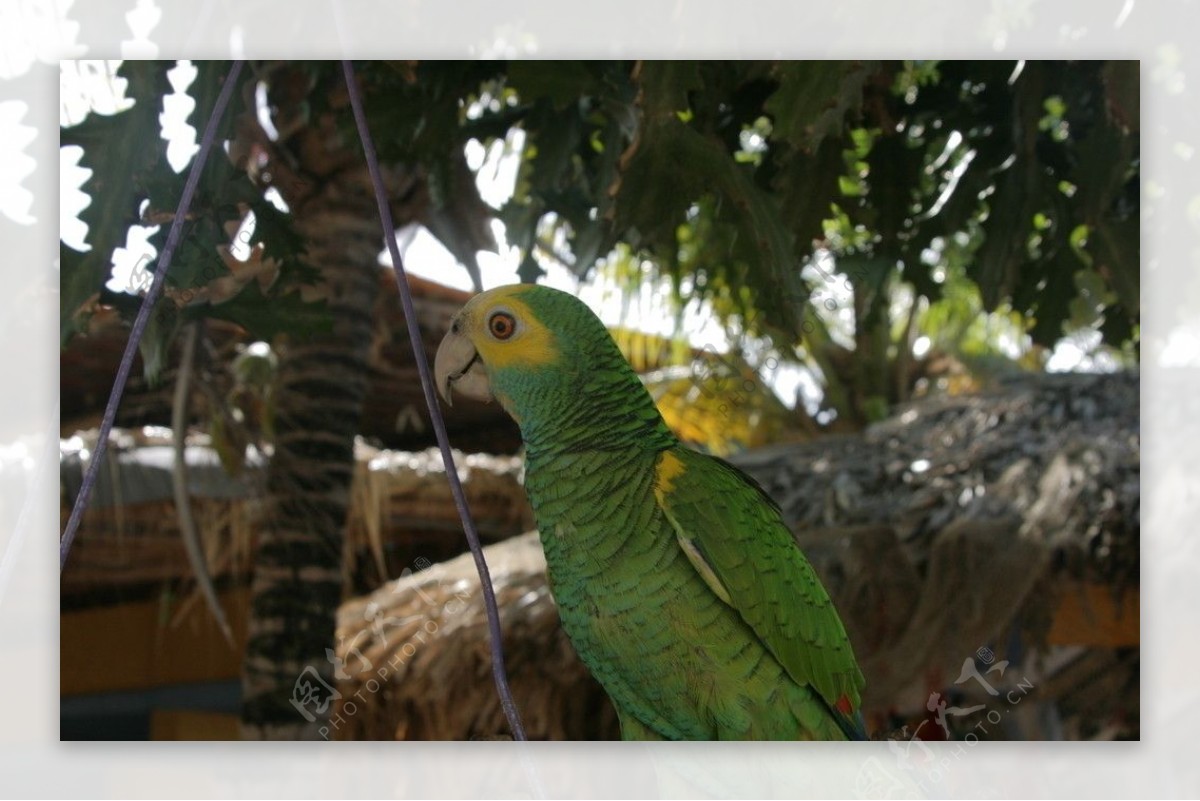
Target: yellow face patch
[531,344]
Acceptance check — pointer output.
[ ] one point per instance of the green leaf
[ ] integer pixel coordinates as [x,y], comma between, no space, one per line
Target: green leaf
[999,258]
[155,344]
[563,83]
[529,271]
[210,78]
[807,185]
[1102,167]
[1053,292]
[814,98]
[1117,328]
[195,262]
[555,139]
[1117,248]
[570,158]
[665,86]
[520,222]
[894,172]
[266,316]
[275,231]
[117,149]
[673,167]
[589,242]
[1018,196]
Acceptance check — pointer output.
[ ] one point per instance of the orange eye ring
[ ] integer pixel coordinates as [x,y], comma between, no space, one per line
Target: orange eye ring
[502,325]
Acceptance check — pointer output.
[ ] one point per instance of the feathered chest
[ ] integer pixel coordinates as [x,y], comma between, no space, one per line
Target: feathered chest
[599,522]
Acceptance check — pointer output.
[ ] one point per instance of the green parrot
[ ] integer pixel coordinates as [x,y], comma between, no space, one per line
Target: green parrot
[675,577]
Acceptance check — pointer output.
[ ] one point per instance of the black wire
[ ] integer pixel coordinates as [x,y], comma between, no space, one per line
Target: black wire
[143,315]
[439,425]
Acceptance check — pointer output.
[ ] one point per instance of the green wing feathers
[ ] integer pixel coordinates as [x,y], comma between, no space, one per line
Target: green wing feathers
[734,535]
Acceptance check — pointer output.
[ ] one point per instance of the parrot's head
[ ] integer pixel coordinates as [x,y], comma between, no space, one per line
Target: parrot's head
[549,361]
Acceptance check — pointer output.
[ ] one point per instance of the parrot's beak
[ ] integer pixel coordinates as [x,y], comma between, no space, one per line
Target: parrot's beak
[457,366]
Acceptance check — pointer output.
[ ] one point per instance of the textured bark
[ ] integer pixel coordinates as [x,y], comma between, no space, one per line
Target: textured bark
[322,381]
[319,168]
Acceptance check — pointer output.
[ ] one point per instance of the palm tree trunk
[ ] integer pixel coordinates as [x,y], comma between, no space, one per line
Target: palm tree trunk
[288,675]
[287,678]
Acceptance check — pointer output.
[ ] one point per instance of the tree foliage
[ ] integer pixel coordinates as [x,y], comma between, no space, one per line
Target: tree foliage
[818,204]
[133,184]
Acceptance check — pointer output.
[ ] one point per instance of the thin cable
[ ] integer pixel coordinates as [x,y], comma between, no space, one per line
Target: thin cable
[143,315]
[439,425]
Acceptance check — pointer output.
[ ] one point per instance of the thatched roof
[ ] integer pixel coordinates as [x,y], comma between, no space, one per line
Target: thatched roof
[1056,455]
[1006,521]
[962,517]
[415,652]
[401,508]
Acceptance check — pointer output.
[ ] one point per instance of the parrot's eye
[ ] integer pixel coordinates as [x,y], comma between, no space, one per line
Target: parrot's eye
[502,325]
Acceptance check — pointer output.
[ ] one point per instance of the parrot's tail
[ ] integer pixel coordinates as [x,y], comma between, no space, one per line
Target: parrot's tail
[852,724]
